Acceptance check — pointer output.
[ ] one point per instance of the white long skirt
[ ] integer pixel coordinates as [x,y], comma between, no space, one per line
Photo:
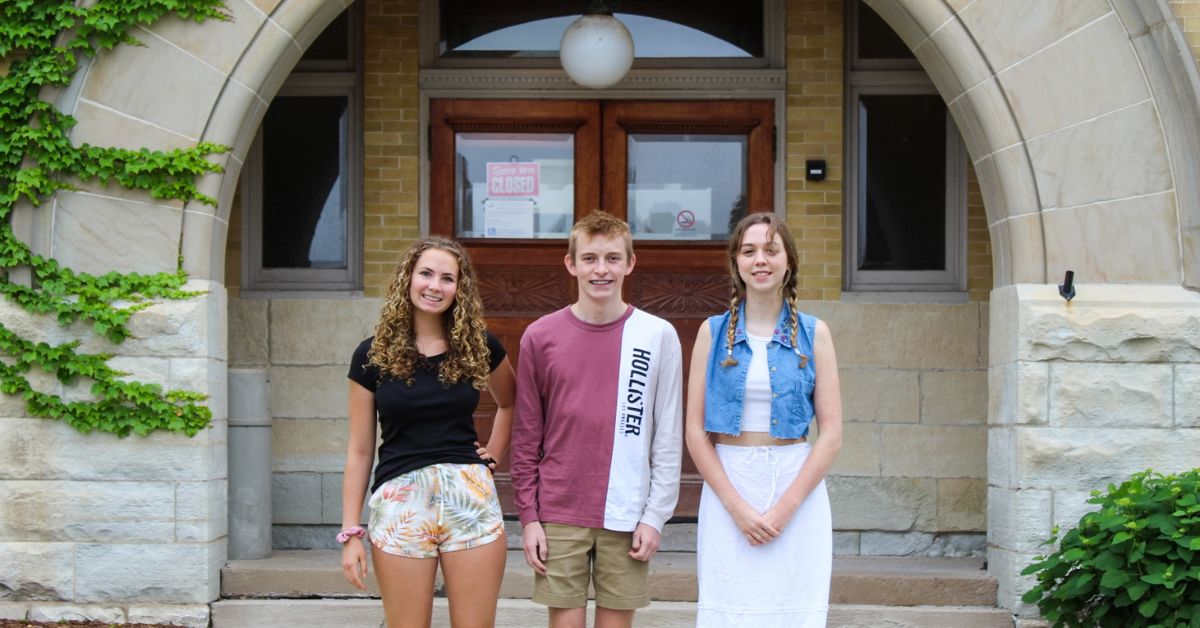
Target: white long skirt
[783,584]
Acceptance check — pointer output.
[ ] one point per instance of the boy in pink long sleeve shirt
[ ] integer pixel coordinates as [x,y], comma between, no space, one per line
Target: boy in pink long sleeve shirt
[597,438]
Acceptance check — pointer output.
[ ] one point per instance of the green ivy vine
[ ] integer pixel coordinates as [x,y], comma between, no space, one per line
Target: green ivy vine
[42,42]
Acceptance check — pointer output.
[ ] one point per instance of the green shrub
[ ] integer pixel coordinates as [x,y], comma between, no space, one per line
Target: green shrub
[1133,562]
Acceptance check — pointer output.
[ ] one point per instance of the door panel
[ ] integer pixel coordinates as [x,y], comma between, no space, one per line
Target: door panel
[681,123]
[696,167]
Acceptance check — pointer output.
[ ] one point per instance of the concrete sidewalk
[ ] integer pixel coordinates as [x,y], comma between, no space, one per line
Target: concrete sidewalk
[515,613]
[369,613]
[305,589]
[857,580]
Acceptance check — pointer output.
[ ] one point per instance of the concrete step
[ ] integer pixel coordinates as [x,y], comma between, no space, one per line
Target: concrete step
[513,613]
[877,580]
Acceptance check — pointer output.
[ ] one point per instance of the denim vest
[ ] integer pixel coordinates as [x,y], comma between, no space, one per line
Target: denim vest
[791,384]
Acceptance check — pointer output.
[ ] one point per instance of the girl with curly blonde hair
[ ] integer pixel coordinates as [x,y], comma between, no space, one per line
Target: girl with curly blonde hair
[433,501]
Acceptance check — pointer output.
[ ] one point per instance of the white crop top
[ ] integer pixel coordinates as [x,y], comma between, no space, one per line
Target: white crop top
[756,408]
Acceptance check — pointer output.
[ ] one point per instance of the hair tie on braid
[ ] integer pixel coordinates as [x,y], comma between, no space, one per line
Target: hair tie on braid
[794,317]
[733,318]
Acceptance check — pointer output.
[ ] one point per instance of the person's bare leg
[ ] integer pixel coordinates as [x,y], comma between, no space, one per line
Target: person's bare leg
[406,585]
[473,583]
[612,618]
[568,617]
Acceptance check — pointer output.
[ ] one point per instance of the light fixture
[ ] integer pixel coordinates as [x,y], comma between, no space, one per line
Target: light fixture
[596,50]
[1067,288]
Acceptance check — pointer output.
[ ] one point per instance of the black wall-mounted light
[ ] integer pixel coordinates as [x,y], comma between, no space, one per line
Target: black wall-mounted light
[1067,287]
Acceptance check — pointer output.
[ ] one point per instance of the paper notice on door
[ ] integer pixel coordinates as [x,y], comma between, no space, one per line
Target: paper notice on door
[508,218]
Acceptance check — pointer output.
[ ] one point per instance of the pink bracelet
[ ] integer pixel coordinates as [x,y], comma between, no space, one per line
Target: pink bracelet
[348,533]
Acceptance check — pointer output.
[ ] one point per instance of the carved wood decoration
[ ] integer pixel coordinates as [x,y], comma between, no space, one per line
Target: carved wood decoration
[526,292]
[687,295]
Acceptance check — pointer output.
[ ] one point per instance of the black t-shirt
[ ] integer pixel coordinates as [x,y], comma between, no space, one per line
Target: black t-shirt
[425,423]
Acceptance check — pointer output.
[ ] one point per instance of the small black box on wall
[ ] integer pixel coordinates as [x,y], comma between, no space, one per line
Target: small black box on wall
[814,170]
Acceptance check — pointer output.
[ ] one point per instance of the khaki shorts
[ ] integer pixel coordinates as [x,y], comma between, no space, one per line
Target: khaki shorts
[436,509]
[579,555]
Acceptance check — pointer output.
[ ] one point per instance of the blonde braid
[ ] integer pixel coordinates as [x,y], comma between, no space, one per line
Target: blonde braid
[733,319]
[794,316]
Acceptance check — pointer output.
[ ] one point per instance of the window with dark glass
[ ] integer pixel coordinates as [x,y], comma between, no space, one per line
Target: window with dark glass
[874,40]
[903,191]
[906,170]
[304,195]
[334,46]
[302,183]
[660,28]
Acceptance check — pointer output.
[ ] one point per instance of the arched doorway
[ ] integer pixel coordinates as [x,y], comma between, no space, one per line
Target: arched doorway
[1052,121]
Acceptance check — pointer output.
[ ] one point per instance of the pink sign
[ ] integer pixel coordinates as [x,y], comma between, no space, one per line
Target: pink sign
[512,178]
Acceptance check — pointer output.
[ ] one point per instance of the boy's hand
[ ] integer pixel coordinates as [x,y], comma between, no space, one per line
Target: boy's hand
[534,539]
[645,542]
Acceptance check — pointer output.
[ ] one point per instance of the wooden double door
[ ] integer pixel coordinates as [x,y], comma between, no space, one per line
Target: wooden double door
[508,178]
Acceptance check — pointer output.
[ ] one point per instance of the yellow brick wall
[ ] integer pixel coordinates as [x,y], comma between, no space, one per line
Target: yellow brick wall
[1188,13]
[233,248]
[979,242]
[391,146]
[814,131]
[815,89]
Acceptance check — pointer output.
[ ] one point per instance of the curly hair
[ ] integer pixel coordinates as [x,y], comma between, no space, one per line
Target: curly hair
[775,225]
[394,349]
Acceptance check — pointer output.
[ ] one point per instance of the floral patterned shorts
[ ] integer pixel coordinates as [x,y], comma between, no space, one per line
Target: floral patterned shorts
[435,509]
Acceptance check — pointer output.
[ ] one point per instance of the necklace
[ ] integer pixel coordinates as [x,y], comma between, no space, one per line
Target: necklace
[431,347]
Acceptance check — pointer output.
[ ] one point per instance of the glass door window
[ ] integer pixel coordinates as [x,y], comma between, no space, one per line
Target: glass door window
[684,172]
[685,187]
[514,185]
[512,170]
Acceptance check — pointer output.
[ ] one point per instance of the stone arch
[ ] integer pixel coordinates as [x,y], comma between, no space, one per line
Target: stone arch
[184,85]
[261,68]
[1055,102]
[1081,119]
[1052,162]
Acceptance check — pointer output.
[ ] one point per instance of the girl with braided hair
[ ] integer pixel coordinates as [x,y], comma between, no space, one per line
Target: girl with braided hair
[433,501]
[761,372]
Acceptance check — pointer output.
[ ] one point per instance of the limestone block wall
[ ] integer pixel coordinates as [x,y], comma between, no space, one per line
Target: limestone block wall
[1082,394]
[911,477]
[305,345]
[131,528]
[910,480]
